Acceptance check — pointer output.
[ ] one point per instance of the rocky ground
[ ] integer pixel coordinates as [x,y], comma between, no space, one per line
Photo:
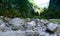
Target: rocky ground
[28,27]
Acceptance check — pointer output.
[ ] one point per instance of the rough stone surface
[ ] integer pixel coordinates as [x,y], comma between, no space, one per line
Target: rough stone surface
[52,26]
[27,27]
[17,22]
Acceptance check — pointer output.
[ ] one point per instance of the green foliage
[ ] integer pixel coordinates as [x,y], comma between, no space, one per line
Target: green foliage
[49,14]
[25,9]
[16,8]
[11,14]
[53,11]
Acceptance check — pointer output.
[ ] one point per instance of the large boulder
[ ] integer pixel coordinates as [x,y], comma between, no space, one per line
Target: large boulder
[52,26]
[17,22]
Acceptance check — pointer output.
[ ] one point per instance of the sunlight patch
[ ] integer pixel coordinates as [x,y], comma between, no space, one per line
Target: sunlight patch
[39,5]
[42,3]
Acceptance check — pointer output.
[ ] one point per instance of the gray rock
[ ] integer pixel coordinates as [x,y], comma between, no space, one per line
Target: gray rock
[52,26]
[2,26]
[10,33]
[35,33]
[58,30]
[42,34]
[51,34]
[21,33]
[13,33]
[17,22]
[47,34]
[29,33]
[31,25]
[6,29]
[28,27]
[44,21]
[55,34]
[58,34]
[38,29]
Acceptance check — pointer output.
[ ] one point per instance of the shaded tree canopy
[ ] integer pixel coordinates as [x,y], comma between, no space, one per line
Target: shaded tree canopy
[53,11]
[54,5]
[21,6]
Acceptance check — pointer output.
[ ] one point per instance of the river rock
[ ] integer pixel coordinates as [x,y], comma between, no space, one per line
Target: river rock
[31,25]
[52,26]
[42,34]
[29,33]
[17,22]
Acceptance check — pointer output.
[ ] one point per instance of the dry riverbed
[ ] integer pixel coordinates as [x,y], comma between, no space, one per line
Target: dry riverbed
[28,27]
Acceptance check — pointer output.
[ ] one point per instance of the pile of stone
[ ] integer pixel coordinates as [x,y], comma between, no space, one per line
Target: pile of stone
[28,27]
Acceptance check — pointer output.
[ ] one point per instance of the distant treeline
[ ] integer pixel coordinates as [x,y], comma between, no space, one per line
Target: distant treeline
[22,8]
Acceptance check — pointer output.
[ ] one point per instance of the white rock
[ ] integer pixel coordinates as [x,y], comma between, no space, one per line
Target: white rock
[42,20]
[32,23]
[52,26]
[42,34]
